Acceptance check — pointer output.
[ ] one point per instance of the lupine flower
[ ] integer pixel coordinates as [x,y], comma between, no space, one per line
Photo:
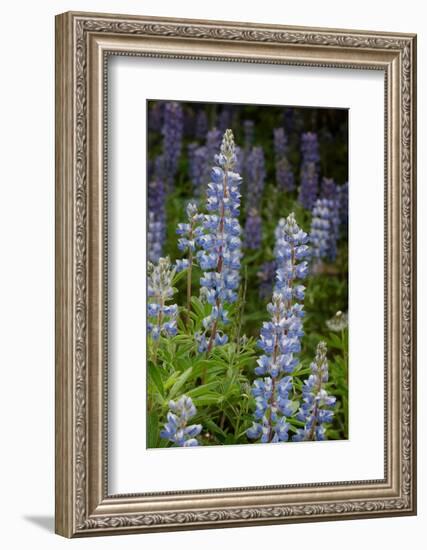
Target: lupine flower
[172,131]
[324,229]
[202,124]
[197,161]
[155,116]
[309,179]
[220,253]
[280,142]
[338,322]
[343,204]
[253,230]
[177,430]
[328,189]
[315,411]
[200,160]
[248,139]
[240,158]
[281,337]
[256,175]
[255,170]
[161,316]
[284,175]
[213,143]
[189,233]
[291,250]
[155,238]
[310,147]
[156,231]
[159,171]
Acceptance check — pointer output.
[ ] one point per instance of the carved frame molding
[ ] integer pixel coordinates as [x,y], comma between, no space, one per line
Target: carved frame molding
[83,43]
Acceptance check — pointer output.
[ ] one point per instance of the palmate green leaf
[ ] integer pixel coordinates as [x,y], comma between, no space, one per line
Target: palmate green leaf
[242,433]
[186,351]
[170,381]
[153,430]
[183,339]
[207,399]
[178,276]
[215,369]
[180,382]
[198,307]
[184,343]
[201,390]
[183,327]
[294,423]
[155,377]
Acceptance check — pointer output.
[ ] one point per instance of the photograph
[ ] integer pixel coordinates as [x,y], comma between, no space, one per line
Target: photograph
[247,274]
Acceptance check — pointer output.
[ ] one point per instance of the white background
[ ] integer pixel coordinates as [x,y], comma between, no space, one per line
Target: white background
[131,81]
[27,245]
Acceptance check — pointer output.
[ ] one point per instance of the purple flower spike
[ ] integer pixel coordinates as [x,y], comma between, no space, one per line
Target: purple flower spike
[284,176]
[256,173]
[309,178]
[172,131]
[315,411]
[280,337]
[156,220]
[177,429]
[219,254]
[324,229]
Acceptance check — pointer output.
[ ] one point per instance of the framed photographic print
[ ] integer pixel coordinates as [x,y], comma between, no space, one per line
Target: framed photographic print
[235,274]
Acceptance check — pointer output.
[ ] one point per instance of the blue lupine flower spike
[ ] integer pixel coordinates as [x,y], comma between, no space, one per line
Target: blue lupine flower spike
[316,410]
[197,160]
[284,176]
[219,257]
[172,131]
[177,429]
[161,315]
[309,177]
[189,232]
[328,189]
[325,229]
[256,173]
[281,337]
[156,230]
[343,205]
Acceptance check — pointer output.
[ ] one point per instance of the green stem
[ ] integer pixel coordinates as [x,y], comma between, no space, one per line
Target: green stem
[219,270]
[189,282]
[222,421]
[159,325]
[241,309]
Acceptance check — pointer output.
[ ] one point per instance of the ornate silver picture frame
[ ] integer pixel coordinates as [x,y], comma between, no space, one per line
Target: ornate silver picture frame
[84,43]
